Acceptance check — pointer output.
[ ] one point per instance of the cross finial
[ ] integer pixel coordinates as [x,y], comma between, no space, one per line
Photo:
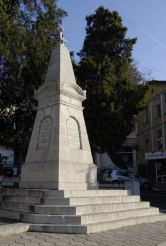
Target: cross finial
[62,40]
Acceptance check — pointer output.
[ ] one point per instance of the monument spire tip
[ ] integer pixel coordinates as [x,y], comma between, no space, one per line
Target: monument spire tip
[62,39]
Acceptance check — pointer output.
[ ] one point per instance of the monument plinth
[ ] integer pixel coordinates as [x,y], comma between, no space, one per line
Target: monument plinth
[59,155]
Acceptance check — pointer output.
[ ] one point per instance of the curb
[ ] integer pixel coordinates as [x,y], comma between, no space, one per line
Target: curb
[14,228]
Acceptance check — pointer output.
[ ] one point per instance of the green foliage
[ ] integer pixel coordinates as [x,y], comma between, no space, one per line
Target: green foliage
[114,86]
[28,32]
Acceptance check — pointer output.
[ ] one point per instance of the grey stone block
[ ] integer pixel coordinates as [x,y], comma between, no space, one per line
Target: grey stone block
[67,229]
[14,228]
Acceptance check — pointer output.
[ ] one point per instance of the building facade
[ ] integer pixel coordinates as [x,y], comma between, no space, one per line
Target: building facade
[151,133]
[127,154]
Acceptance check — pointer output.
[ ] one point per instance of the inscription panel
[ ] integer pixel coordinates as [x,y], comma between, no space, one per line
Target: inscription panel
[45,133]
[73,133]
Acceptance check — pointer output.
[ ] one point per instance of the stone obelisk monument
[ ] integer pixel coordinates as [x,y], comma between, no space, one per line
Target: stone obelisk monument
[59,155]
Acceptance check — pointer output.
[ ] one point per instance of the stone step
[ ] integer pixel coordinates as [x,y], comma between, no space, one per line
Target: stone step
[61,193]
[13,228]
[67,229]
[54,210]
[41,209]
[30,192]
[86,218]
[96,227]
[86,193]
[89,200]
[23,192]
[51,219]
[55,201]
[72,210]
[84,209]
[22,199]
[110,207]
[109,216]
[12,206]
[22,207]
[75,186]
[9,214]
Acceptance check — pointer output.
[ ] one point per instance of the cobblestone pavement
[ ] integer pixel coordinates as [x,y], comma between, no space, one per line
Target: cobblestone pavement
[145,235]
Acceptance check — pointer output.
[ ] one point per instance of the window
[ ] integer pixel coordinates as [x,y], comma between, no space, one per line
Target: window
[146,115]
[158,107]
[146,144]
[159,139]
[160,172]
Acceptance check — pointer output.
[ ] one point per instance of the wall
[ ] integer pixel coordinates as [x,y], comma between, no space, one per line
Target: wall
[156,90]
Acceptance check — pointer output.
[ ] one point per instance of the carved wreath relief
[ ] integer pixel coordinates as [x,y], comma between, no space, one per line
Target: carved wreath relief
[45,132]
[73,133]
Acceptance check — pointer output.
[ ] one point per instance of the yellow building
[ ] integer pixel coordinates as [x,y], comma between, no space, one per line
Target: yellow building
[151,133]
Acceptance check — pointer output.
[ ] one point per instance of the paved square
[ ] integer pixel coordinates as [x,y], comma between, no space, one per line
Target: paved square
[145,235]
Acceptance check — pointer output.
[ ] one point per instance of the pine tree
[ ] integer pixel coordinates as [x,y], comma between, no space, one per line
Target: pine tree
[114,86]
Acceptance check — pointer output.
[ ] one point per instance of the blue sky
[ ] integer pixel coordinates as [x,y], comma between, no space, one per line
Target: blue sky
[145,19]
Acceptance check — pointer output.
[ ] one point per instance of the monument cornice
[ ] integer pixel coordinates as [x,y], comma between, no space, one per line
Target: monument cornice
[72,95]
[53,89]
[40,107]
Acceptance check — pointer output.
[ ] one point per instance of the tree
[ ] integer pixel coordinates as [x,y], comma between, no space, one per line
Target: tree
[28,32]
[114,86]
